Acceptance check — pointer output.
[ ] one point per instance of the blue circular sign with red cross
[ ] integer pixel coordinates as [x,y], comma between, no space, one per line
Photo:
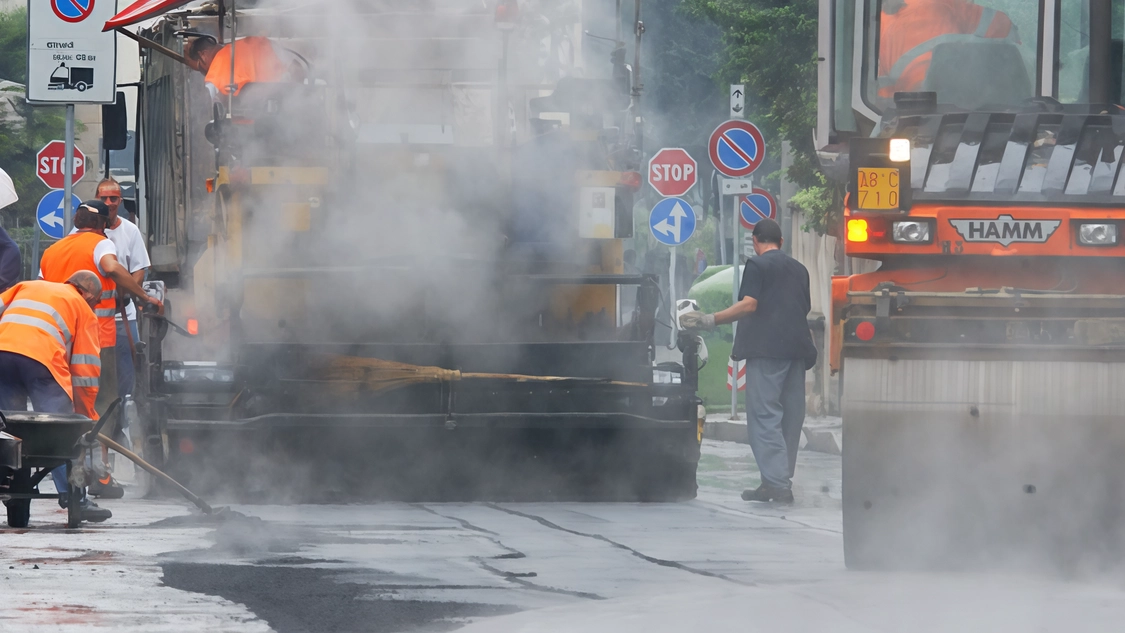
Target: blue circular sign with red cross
[755,207]
[73,11]
[737,148]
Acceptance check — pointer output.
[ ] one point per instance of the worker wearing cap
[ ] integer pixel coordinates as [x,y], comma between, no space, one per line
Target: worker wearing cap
[132,254]
[89,249]
[774,339]
[910,29]
[50,352]
[256,60]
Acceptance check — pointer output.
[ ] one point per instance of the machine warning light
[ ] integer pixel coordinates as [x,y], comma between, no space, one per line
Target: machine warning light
[857,230]
[865,331]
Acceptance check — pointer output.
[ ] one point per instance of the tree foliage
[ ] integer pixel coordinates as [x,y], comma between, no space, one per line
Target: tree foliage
[770,45]
[681,54]
[24,129]
[13,45]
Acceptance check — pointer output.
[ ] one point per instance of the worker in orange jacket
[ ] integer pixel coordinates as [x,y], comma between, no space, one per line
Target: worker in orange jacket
[909,29]
[90,249]
[50,352]
[256,60]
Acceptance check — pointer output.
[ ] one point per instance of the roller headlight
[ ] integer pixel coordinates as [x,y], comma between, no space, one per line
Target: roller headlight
[911,232]
[1100,234]
[899,150]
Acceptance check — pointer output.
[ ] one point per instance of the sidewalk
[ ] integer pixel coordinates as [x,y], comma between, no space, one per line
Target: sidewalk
[821,434]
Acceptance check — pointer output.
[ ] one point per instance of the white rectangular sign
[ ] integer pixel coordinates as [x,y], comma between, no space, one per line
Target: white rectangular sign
[737,186]
[737,101]
[69,58]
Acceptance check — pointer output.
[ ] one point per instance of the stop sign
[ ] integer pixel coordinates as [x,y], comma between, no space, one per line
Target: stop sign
[49,164]
[672,172]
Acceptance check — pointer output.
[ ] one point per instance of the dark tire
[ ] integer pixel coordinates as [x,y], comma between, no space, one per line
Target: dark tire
[81,87]
[19,510]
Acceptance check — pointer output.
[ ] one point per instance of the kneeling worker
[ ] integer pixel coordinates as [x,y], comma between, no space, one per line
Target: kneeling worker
[49,351]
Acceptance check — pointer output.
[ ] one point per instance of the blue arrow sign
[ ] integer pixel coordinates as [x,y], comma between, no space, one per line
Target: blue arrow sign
[672,221]
[50,213]
[756,206]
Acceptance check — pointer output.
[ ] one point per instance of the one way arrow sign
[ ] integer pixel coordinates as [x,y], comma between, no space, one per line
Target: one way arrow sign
[737,101]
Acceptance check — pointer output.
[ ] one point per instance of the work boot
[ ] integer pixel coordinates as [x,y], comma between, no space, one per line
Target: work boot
[768,493]
[106,487]
[94,514]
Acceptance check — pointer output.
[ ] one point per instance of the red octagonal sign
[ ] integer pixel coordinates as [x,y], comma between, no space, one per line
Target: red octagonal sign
[672,172]
[49,164]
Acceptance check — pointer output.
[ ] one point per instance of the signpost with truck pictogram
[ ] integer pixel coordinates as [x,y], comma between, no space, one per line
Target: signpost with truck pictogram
[70,59]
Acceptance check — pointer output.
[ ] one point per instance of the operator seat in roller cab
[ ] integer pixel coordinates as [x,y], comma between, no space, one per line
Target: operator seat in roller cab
[967,53]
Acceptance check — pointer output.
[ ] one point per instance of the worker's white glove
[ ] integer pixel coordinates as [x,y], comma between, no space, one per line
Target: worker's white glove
[696,320]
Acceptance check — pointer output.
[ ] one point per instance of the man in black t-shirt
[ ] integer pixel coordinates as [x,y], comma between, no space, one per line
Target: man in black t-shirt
[774,340]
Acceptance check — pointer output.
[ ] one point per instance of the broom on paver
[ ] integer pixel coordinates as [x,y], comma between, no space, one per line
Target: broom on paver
[377,374]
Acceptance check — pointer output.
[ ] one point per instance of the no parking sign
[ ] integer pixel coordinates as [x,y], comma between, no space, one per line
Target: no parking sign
[736,148]
[755,207]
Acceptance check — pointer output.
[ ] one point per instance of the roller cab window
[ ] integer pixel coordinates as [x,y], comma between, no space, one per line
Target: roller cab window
[972,55]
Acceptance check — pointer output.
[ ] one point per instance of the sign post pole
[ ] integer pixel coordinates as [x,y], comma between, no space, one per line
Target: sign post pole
[68,172]
[736,149]
[736,240]
[35,255]
[722,231]
[735,188]
[672,222]
[672,296]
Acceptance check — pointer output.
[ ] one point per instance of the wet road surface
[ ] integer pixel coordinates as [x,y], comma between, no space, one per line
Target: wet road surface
[159,566]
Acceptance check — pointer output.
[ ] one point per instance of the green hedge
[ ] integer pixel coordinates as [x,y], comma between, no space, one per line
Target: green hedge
[712,291]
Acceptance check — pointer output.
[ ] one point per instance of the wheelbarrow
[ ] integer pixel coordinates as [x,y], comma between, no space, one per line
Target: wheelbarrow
[47,441]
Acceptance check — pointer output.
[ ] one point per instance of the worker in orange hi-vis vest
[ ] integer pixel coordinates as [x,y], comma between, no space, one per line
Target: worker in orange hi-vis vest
[910,29]
[256,60]
[50,352]
[89,249]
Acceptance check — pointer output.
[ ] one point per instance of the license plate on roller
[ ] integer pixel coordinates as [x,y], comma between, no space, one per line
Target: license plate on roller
[878,188]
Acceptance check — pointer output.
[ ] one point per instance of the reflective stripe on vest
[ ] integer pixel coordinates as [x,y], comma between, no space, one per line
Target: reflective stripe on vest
[109,294]
[76,252]
[39,306]
[86,359]
[42,324]
[83,381]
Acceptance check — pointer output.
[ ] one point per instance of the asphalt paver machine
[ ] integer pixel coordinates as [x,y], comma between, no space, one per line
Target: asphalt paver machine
[402,275]
[981,345]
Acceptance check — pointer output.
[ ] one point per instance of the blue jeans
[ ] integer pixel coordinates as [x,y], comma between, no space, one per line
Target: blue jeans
[22,378]
[126,374]
[775,414]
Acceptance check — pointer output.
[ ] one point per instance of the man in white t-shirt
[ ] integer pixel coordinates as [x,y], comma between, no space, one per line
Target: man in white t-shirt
[133,255]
